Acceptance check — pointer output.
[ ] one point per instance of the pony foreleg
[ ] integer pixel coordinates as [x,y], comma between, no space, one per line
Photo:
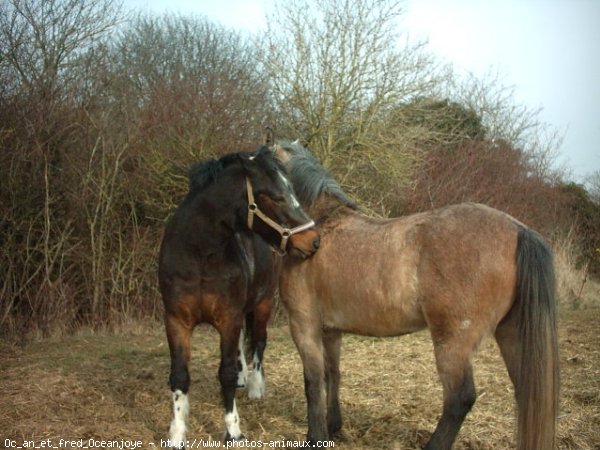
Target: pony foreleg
[260,317]
[310,346]
[332,341]
[242,366]
[314,388]
[256,380]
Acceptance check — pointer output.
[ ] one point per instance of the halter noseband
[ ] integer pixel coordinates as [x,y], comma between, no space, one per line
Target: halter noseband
[285,233]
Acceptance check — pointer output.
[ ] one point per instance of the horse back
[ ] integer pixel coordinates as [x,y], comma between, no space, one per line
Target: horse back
[395,276]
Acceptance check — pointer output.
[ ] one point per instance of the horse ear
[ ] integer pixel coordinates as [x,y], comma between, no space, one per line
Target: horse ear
[281,153]
[301,142]
[268,139]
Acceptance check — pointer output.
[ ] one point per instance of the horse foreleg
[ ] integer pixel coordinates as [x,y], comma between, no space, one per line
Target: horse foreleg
[308,339]
[332,342]
[228,376]
[178,336]
[242,365]
[256,381]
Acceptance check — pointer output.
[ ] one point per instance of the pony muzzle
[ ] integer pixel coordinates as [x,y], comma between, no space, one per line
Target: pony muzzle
[287,234]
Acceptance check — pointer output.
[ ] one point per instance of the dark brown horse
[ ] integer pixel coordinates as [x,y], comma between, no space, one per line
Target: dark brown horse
[217,266]
[464,272]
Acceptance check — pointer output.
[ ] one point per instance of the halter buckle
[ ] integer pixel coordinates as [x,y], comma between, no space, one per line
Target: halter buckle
[285,233]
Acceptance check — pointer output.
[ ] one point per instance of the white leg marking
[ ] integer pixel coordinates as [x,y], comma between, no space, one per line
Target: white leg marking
[256,380]
[181,408]
[243,373]
[232,423]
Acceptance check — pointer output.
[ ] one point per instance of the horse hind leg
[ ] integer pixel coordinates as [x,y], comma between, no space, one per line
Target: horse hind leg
[258,326]
[178,336]
[453,360]
[228,376]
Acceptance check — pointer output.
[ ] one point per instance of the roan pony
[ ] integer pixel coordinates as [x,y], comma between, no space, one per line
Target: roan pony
[463,271]
[216,265]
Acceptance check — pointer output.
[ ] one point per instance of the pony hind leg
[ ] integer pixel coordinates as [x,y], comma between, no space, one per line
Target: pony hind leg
[178,336]
[258,328]
[229,331]
[332,342]
[453,360]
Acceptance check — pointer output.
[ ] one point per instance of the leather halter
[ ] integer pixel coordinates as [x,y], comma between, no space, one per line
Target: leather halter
[284,232]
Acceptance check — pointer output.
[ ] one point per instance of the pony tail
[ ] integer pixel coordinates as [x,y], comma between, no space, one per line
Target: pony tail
[538,372]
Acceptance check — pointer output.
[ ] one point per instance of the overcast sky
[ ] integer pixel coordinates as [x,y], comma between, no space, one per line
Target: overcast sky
[548,49]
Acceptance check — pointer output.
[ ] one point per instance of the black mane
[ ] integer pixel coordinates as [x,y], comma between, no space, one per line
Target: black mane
[206,172]
[309,178]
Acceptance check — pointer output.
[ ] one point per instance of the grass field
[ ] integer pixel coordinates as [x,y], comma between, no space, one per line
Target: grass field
[115,387]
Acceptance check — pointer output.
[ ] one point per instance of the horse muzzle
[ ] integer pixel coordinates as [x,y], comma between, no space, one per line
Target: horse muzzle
[303,238]
[305,243]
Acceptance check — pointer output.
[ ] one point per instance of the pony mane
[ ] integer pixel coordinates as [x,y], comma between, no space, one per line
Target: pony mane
[206,172]
[309,178]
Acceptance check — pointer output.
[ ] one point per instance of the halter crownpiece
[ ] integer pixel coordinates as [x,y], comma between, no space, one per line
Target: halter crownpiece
[284,232]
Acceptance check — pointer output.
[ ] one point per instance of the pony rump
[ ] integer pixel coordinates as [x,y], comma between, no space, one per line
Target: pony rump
[537,384]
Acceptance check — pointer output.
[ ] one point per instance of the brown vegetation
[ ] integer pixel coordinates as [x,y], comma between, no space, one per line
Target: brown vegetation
[101,118]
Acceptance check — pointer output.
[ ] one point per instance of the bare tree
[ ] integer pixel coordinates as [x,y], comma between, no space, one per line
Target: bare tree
[43,50]
[507,120]
[337,69]
[43,42]
[193,89]
[593,184]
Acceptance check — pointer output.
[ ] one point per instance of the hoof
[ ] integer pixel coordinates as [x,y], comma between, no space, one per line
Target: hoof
[242,378]
[256,385]
[229,438]
[320,442]
[256,393]
[181,446]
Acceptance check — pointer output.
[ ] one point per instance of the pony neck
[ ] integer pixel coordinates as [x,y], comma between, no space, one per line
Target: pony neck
[218,215]
[326,208]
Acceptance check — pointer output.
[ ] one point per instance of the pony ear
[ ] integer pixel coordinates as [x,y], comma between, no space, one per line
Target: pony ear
[301,142]
[268,137]
[281,153]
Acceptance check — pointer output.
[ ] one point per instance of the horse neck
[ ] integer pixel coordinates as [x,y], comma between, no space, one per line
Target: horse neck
[327,208]
[218,216]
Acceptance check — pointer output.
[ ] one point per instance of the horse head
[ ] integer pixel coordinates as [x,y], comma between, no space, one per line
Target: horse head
[274,211]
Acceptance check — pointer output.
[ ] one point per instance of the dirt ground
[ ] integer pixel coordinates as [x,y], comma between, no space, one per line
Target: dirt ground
[113,387]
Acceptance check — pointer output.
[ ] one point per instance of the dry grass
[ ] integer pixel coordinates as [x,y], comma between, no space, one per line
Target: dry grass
[114,386]
[575,287]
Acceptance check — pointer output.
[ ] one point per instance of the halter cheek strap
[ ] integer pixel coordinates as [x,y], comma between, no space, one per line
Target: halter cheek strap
[285,233]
